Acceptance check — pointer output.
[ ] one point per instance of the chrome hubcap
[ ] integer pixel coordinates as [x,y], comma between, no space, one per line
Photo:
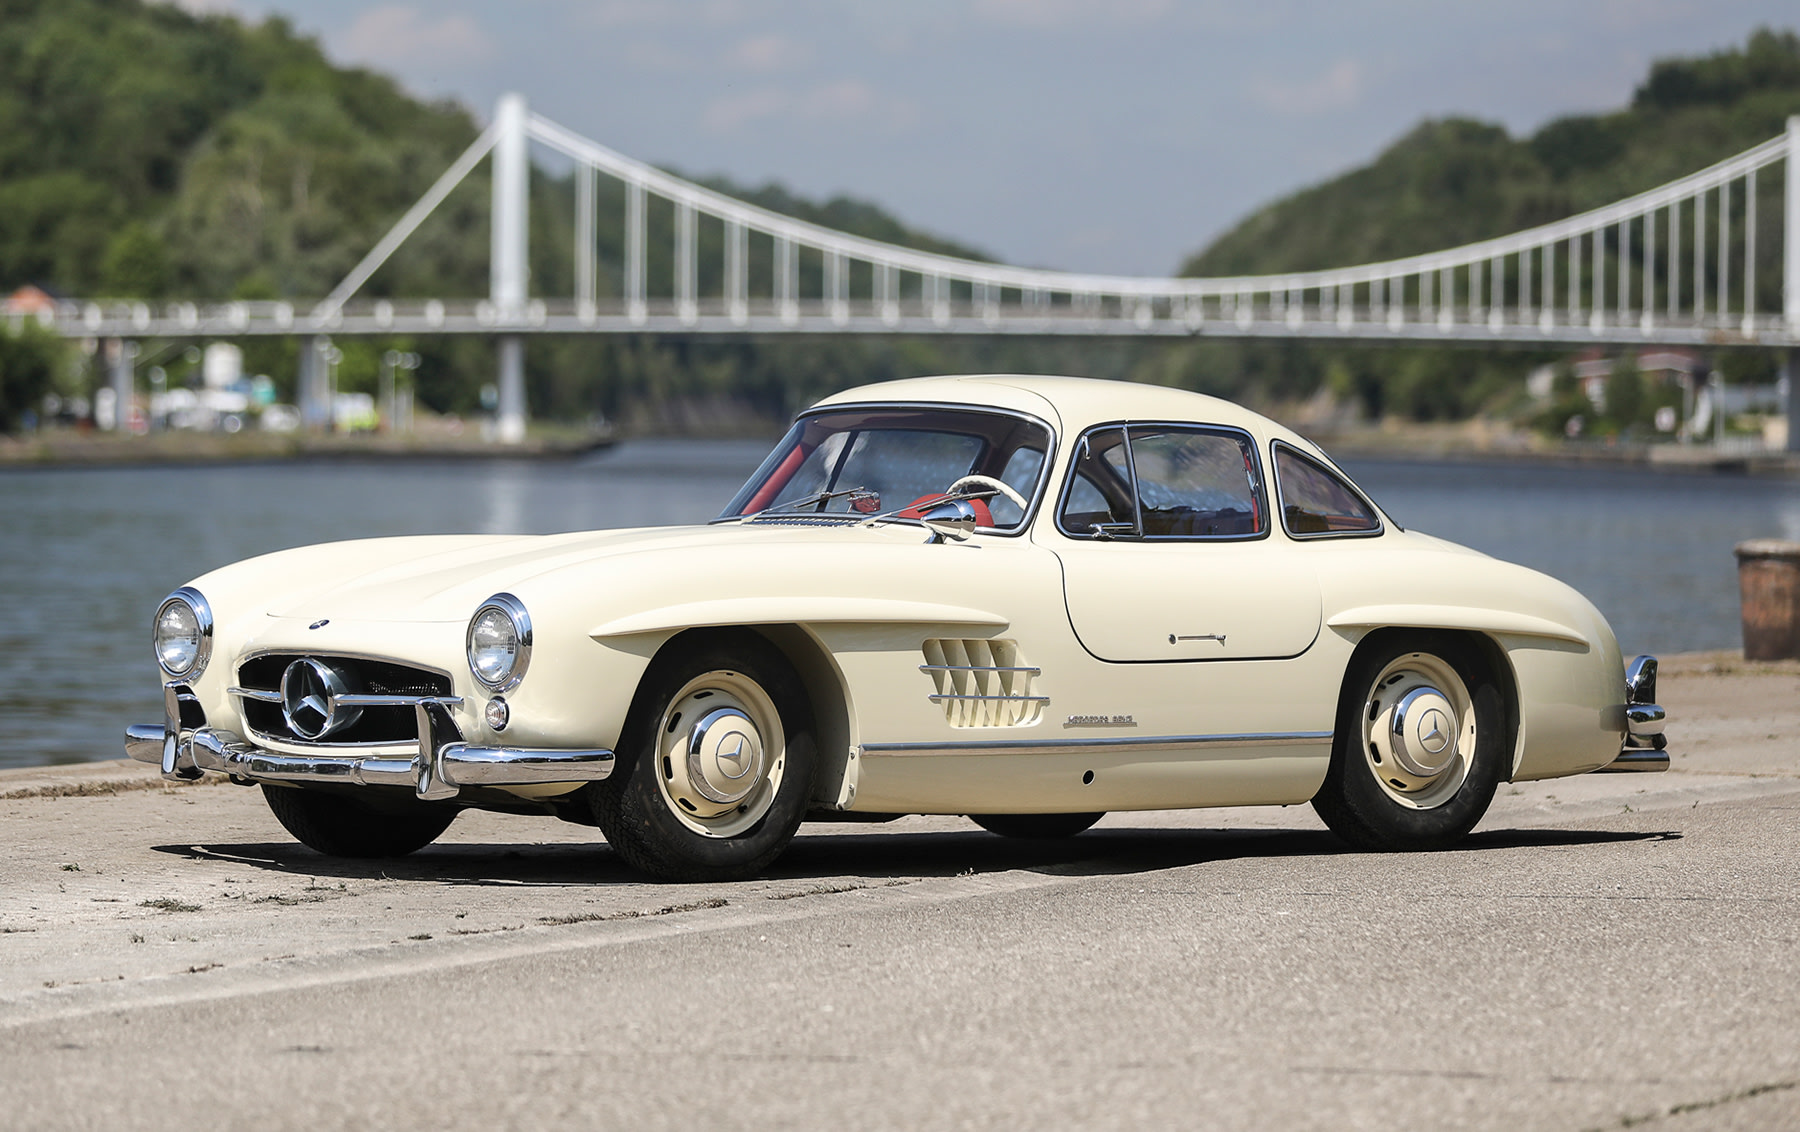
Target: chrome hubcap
[1419,730]
[724,755]
[720,754]
[1420,734]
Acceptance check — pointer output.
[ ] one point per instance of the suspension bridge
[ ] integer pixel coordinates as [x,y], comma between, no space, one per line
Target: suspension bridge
[1678,265]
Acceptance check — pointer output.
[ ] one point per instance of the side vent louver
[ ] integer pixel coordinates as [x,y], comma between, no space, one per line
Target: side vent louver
[982,683]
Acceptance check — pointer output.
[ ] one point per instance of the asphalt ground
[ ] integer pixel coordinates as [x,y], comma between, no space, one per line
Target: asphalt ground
[1604,952]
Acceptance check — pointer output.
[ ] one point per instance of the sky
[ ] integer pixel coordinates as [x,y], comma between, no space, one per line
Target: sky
[1089,135]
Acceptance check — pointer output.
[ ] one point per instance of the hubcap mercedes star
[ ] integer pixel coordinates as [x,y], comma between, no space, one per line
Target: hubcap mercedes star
[1419,730]
[309,700]
[720,754]
[724,755]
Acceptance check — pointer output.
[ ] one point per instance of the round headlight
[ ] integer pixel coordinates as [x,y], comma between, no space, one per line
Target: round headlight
[499,642]
[182,633]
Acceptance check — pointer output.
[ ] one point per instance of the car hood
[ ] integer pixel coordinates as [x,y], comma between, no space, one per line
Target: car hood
[444,577]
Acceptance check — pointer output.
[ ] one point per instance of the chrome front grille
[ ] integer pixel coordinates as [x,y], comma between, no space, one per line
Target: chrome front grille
[982,683]
[386,696]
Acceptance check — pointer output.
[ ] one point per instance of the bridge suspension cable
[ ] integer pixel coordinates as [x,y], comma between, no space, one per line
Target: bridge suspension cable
[1678,264]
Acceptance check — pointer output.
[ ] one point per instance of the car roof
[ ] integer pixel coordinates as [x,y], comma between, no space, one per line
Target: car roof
[1072,402]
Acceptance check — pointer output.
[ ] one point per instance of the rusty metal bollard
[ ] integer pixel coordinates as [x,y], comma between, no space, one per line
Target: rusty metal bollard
[1769,587]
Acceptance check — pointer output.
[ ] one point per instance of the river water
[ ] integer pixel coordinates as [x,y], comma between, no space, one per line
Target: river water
[85,554]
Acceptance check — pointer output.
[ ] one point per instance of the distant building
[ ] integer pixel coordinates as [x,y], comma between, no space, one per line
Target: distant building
[1662,366]
[30,299]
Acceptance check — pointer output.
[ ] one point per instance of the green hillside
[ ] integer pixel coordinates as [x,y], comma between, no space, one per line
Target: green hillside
[147,151]
[1452,181]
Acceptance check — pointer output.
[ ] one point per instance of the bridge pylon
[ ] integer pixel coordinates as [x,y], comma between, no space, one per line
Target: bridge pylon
[508,266]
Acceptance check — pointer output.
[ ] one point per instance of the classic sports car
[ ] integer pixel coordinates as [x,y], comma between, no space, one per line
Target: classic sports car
[1030,600]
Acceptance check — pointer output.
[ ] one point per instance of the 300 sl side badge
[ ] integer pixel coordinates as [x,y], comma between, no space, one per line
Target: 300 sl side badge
[1100,721]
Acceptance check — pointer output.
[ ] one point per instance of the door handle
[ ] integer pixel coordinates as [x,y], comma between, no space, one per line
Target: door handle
[1219,637]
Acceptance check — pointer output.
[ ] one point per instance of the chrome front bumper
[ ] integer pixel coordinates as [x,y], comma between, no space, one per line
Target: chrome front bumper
[1646,747]
[436,774]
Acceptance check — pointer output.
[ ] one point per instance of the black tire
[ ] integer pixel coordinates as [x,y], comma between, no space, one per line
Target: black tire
[654,810]
[1373,801]
[338,825]
[1038,827]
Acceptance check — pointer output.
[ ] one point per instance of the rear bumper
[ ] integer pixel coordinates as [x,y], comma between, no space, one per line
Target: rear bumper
[1646,747]
[186,755]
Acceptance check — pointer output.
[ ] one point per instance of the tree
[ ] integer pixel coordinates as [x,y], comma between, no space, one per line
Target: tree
[28,360]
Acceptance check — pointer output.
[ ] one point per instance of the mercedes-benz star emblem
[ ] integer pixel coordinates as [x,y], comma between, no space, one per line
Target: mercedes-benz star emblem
[1434,735]
[309,700]
[732,751]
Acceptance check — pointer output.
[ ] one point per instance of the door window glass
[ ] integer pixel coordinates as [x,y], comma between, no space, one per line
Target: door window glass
[1194,483]
[1164,481]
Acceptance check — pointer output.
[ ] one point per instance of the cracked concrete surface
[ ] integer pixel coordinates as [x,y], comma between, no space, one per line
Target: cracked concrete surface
[1605,952]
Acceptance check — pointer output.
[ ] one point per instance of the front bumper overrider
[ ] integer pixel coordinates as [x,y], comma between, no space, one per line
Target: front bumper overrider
[437,773]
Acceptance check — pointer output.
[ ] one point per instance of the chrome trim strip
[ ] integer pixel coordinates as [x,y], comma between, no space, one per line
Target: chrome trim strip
[1098,746]
[515,766]
[329,655]
[1000,699]
[359,700]
[1637,760]
[977,668]
[268,697]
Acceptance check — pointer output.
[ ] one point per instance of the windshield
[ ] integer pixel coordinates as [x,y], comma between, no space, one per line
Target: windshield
[862,461]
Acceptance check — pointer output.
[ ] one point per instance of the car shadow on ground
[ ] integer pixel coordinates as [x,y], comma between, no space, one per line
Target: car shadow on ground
[840,857]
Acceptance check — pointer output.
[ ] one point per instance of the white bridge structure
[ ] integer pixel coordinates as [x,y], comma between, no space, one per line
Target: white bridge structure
[1677,265]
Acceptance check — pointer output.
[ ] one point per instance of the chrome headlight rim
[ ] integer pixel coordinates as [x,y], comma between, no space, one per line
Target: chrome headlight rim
[514,610]
[203,620]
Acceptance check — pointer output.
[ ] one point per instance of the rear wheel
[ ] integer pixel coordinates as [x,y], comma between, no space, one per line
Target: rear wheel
[340,826]
[1419,748]
[1035,826]
[716,763]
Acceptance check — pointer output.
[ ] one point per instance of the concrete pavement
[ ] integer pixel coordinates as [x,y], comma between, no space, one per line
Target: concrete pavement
[1604,952]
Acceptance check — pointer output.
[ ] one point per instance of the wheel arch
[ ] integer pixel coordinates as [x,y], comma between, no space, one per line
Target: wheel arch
[1483,647]
[821,679]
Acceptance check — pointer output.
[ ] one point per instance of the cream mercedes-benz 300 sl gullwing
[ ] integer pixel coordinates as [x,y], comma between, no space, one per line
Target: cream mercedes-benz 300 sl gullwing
[1030,600]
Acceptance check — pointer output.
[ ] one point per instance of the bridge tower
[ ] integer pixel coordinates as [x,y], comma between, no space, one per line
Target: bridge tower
[1790,293]
[508,268]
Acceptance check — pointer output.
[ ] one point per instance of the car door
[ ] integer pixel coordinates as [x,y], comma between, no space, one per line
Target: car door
[1167,555]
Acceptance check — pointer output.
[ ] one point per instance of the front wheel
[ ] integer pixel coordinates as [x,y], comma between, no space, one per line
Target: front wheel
[1035,826]
[716,763]
[341,826]
[1419,748]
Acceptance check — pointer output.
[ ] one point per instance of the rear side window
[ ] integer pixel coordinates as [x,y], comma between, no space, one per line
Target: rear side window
[1316,501]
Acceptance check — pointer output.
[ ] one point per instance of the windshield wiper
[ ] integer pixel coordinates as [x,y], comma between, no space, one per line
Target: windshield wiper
[813,500]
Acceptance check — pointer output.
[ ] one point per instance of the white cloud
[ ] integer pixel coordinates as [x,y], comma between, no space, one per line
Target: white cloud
[206,7]
[391,34]
[1064,13]
[1337,87]
[768,53]
[842,101]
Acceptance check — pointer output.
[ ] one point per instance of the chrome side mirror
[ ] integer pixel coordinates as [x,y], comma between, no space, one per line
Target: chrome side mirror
[954,519]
